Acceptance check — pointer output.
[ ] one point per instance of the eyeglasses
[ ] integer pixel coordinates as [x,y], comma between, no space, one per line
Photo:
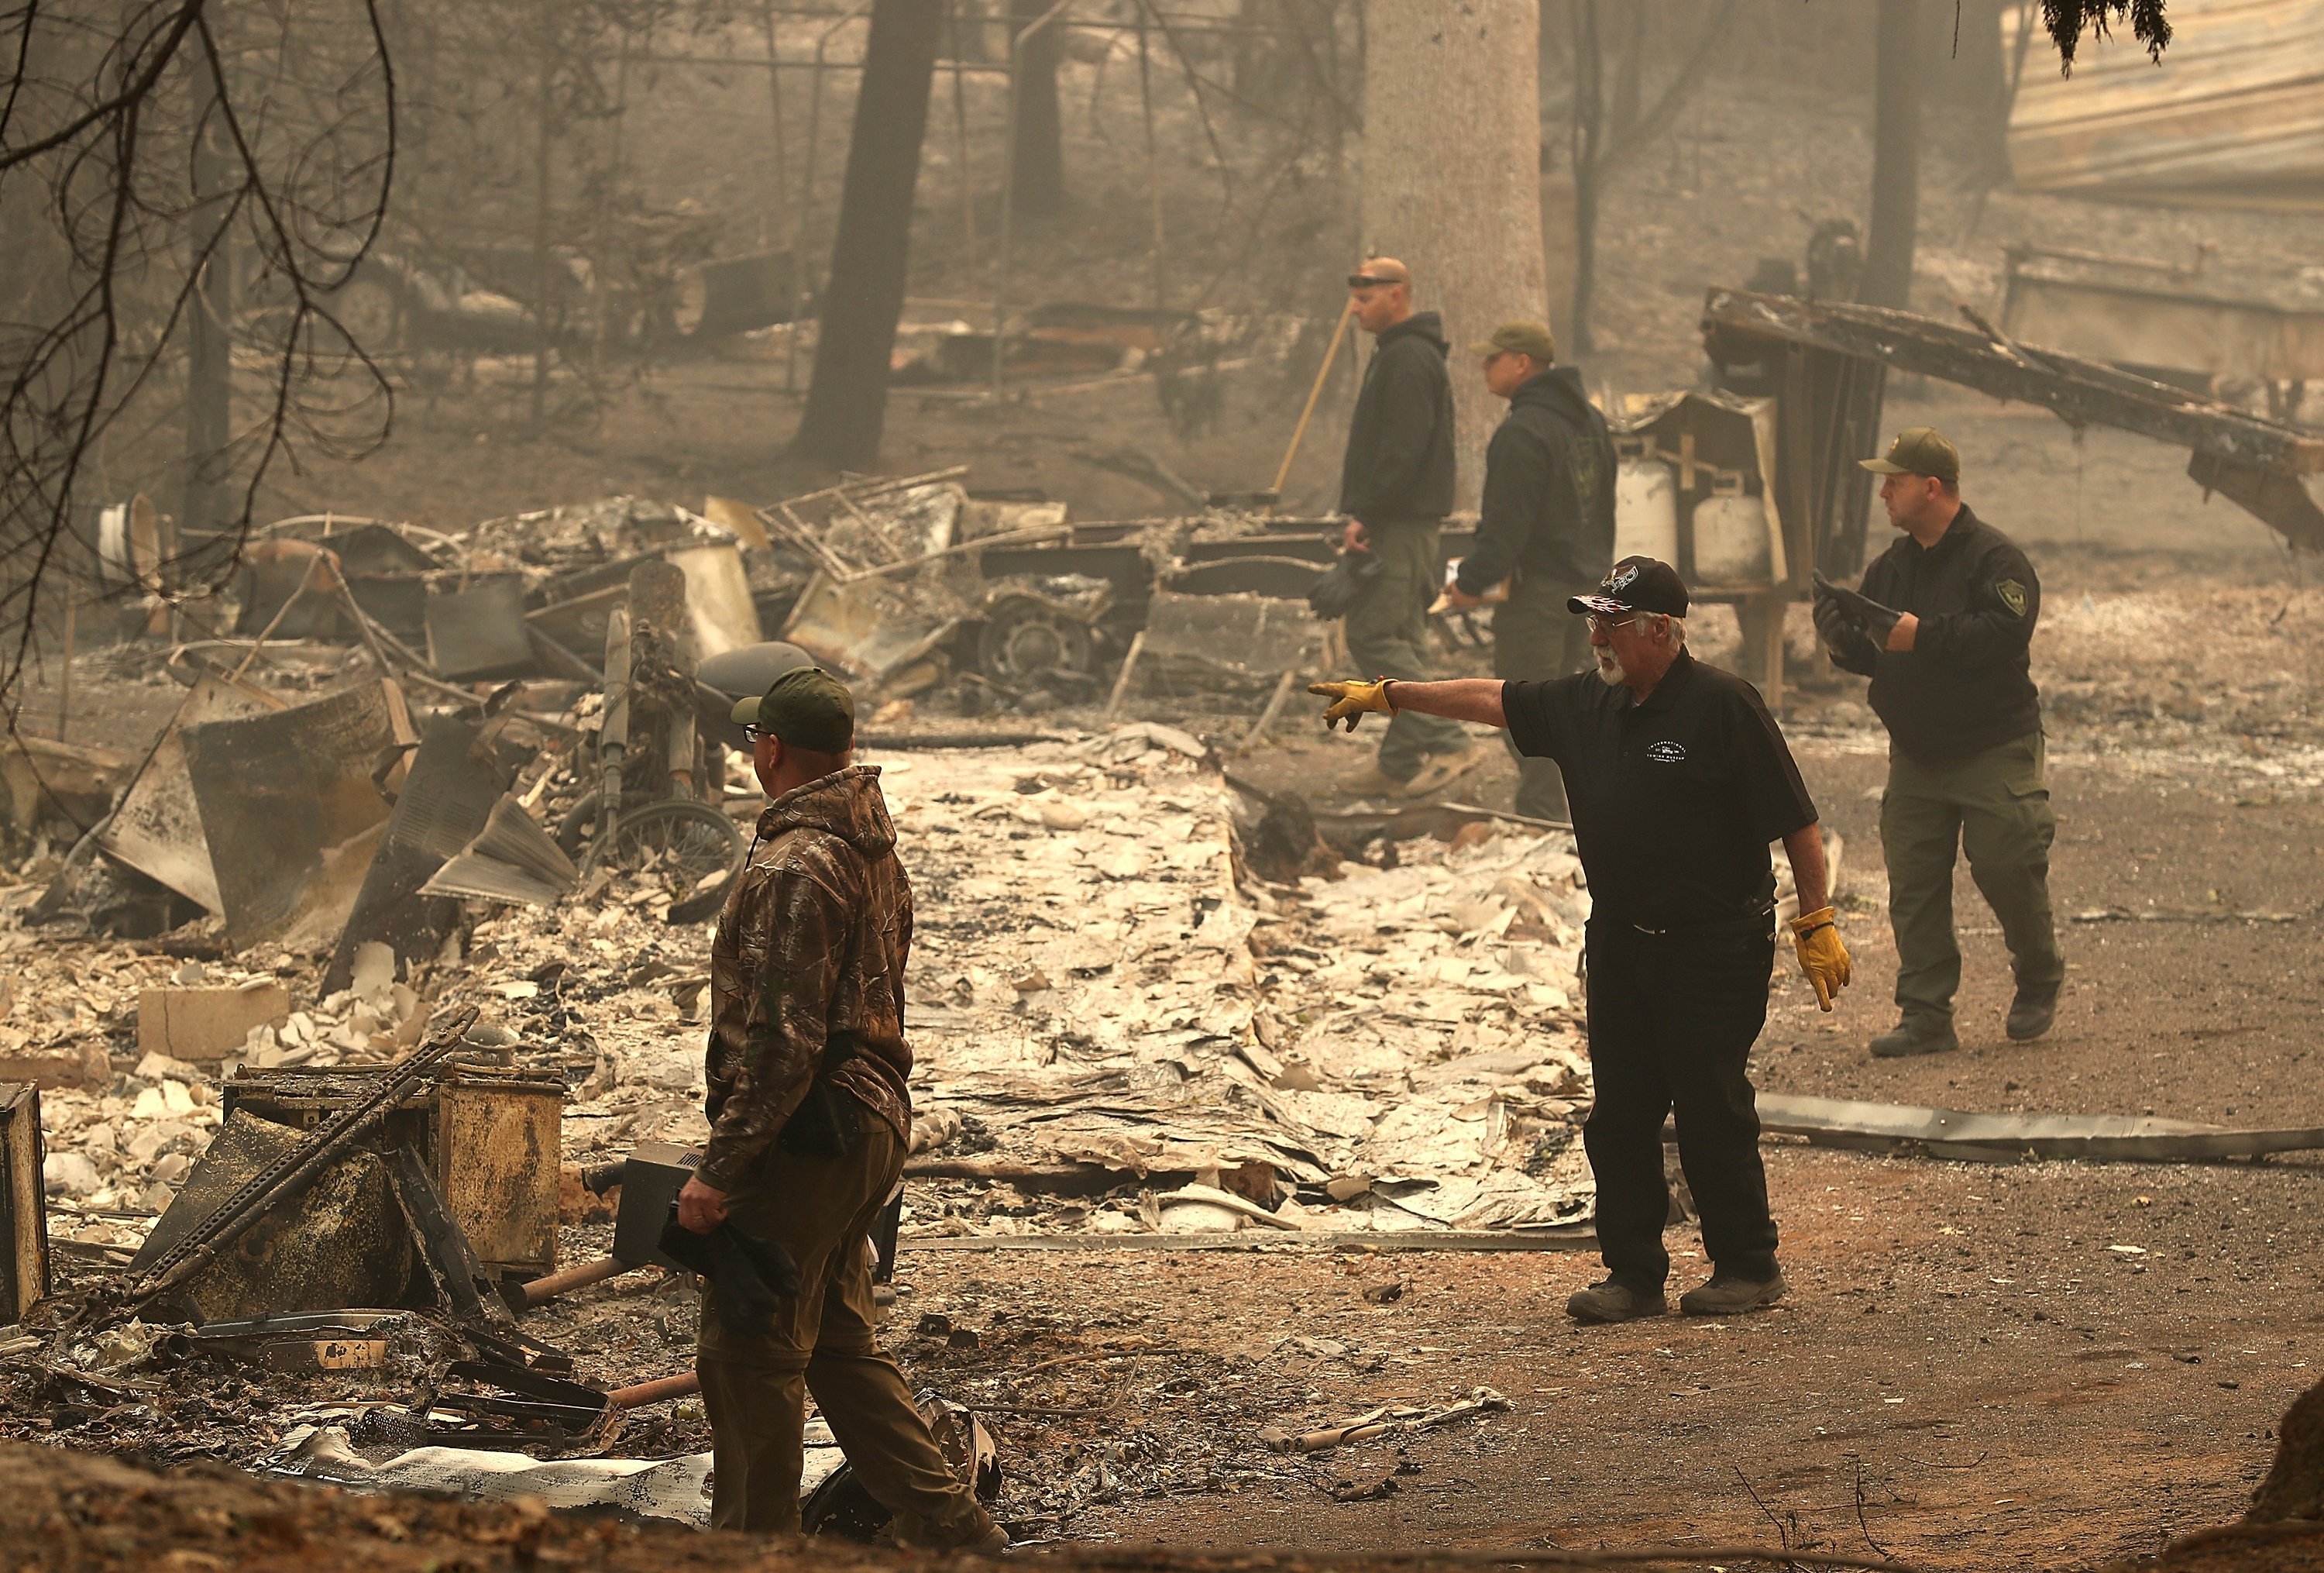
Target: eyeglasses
[1601,624]
[755,733]
[1366,282]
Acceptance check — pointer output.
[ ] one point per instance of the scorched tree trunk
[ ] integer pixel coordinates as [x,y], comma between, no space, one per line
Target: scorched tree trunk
[1040,134]
[1451,180]
[847,401]
[1895,156]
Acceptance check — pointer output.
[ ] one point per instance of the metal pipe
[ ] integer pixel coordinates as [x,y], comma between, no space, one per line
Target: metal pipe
[1009,182]
[661,1389]
[542,1289]
[613,735]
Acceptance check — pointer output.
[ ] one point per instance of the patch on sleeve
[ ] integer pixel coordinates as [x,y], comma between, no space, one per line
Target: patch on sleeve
[2013,595]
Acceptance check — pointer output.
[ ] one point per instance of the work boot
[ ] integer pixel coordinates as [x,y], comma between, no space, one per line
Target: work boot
[973,1531]
[2032,1013]
[1909,1037]
[1437,772]
[1730,1294]
[1368,781]
[1613,1301]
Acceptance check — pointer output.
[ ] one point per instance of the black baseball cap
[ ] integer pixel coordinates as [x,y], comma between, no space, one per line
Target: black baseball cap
[807,707]
[1637,583]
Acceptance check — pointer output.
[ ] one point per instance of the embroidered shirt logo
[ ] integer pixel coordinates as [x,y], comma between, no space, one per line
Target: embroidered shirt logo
[1666,752]
[2013,595]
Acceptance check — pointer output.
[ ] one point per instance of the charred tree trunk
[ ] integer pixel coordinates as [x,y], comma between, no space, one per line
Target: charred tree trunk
[210,368]
[847,401]
[1895,156]
[1588,154]
[1038,137]
[1450,184]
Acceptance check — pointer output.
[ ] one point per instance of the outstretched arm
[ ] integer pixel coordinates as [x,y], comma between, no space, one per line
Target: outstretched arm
[1465,698]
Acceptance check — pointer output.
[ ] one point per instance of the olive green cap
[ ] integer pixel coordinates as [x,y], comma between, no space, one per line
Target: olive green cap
[1519,338]
[1919,450]
[807,707]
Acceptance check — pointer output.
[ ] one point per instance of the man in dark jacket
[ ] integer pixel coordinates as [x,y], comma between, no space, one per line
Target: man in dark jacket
[1396,486]
[1546,529]
[1943,627]
[809,1123]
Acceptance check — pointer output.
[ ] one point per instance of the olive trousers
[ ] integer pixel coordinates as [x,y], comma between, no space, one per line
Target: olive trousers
[1387,630]
[754,1386]
[1535,639]
[1995,806]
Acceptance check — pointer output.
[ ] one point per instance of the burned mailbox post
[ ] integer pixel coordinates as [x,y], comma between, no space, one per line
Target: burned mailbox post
[23,1210]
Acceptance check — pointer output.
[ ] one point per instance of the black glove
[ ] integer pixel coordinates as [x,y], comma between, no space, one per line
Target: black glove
[1334,594]
[1855,610]
[753,1276]
[1833,625]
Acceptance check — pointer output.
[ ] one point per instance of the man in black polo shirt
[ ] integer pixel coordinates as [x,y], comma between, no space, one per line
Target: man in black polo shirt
[1678,779]
[1943,627]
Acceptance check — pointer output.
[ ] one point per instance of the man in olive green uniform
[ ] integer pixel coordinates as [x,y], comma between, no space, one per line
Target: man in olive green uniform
[1545,527]
[809,1122]
[1396,488]
[1942,626]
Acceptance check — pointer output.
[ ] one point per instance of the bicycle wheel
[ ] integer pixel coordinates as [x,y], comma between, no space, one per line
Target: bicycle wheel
[688,849]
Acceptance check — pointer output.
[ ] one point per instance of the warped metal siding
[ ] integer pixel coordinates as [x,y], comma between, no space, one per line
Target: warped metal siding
[2232,116]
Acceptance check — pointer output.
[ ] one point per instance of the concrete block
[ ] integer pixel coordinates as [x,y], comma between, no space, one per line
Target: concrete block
[49,1066]
[204,1025]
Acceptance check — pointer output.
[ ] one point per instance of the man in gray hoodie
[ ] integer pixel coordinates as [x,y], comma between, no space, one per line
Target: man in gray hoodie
[1546,528]
[1396,488]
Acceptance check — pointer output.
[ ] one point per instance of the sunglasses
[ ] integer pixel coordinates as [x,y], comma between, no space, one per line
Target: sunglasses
[1366,282]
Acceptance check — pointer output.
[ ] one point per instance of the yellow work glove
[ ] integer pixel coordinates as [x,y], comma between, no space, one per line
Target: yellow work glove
[1351,700]
[1816,937]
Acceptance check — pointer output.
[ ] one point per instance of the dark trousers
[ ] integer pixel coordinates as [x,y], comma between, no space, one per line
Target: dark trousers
[1672,1018]
[754,1386]
[1387,633]
[1535,638]
[1995,806]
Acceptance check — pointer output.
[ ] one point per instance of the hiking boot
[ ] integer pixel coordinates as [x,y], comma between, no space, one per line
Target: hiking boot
[1368,781]
[973,1531]
[2032,1013]
[1730,1294]
[1437,772]
[1613,1301]
[1909,1037]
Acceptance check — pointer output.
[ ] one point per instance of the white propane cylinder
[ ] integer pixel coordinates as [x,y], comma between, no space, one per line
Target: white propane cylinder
[1730,543]
[1646,509]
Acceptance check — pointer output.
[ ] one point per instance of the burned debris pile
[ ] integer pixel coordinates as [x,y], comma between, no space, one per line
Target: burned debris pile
[353,1029]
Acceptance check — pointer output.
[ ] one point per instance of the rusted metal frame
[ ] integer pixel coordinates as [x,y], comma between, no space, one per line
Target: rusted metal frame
[251,1199]
[2081,392]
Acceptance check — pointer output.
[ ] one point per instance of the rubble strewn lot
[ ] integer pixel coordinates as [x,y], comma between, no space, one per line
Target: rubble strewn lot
[1188,1104]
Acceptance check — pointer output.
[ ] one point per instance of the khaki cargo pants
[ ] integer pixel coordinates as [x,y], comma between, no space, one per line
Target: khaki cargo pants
[1995,807]
[754,1388]
[1387,630]
[1535,638]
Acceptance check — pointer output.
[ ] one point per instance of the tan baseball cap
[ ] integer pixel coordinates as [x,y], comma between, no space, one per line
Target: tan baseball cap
[1919,450]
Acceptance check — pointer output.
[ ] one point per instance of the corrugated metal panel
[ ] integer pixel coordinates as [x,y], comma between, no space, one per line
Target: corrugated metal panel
[2234,116]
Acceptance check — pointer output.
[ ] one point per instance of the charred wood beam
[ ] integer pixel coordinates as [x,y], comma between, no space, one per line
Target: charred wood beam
[1738,325]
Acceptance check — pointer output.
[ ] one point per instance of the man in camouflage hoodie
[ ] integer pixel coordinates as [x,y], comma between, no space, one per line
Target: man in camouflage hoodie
[810,1121]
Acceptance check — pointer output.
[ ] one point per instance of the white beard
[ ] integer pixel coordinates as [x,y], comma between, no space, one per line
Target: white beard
[1609,669]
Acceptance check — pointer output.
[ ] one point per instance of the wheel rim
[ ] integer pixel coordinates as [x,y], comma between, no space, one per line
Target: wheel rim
[685,847]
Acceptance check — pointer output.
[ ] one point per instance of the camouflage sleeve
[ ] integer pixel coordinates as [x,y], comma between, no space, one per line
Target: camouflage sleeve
[795,933]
